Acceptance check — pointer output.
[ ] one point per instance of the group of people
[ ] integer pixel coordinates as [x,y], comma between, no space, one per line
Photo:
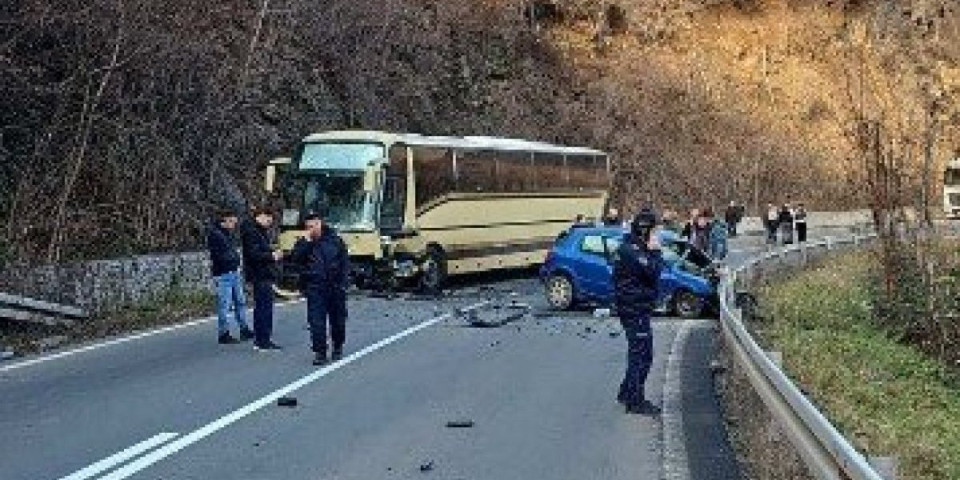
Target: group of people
[786,221]
[322,262]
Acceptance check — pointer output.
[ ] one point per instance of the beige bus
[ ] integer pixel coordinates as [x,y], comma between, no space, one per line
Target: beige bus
[414,209]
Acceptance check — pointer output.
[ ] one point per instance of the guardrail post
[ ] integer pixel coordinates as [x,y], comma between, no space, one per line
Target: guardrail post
[886,466]
[829,243]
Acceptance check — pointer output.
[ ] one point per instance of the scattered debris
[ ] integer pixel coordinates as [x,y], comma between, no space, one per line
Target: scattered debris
[426,467]
[462,423]
[287,401]
[614,334]
[601,313]
[588,329]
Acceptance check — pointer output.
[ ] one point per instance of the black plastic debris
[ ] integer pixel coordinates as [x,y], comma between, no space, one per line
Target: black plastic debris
[614,334]
[426,467]
[461,423]
[287,401]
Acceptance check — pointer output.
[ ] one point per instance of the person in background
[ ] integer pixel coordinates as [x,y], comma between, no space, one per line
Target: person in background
[224,266]
[580,221]
[732,216]
[325,274]
[771,221]
[671,222]
[800,218]
[785,220]
[636,274]
[718,238]
[700,236]
[259,268]
[612,219]
[687,231]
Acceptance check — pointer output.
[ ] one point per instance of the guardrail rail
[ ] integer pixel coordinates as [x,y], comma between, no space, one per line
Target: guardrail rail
[826,453]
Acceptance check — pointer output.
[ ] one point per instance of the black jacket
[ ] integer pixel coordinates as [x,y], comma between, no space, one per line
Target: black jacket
[258,262]
[223,254]
[323,262]
[636,275]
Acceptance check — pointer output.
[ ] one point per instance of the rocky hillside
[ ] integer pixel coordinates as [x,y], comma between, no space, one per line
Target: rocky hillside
[125,121]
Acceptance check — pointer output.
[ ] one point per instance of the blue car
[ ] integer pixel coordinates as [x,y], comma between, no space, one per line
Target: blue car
[579,269]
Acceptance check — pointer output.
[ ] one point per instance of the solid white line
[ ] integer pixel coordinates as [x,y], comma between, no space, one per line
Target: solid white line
[123,456]
[118,341]
[675,465]
[222,422]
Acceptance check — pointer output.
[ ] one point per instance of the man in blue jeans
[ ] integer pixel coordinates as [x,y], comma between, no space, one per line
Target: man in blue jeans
[325,272]
[224,265]
[259,268]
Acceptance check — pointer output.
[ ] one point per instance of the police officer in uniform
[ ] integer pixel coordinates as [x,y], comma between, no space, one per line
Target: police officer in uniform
[324,276]
[637,270]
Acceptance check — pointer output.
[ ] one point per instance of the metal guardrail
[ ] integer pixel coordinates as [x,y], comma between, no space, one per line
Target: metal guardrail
[16,307]
[827,454]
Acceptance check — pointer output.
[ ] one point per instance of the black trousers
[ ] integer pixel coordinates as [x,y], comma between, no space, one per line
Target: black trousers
[802,232]
[326,304]
[639,358]
[262,312]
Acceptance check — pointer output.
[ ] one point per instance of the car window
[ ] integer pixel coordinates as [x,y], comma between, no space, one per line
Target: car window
[613,244]
[592,244]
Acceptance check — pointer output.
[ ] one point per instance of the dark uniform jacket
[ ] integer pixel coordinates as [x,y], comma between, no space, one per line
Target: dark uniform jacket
[258,262]
[323,262]
[636,275]
[223,255]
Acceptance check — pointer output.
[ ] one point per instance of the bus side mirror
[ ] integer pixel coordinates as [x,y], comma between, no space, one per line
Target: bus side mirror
[271,179]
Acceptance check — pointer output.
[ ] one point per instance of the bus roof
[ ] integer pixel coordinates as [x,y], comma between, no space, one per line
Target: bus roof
[463,143]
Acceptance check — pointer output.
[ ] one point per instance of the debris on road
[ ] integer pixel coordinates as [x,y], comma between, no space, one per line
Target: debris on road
[463,423]
[492,316]
[7,355]
[614,334]
[287,401]
[716,367]
[601,313]
[426,467]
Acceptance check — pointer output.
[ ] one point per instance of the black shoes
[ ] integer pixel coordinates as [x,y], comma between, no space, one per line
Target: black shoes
[337,354]
[245,334]
[266,346]
[227,339]
[320,359]
[645,408]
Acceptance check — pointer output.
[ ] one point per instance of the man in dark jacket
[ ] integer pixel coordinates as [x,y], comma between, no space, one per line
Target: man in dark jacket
[732,217]
[636,276]
[325,272]
[224,263]
[259,268]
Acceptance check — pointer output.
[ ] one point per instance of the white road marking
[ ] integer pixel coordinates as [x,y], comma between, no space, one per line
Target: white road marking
[193,437]
[120,457]
[675,464]
[118,341]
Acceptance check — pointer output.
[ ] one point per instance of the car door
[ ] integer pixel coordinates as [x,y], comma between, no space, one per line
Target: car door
[593,270]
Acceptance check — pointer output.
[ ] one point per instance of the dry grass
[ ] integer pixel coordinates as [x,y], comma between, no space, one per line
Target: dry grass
[887,397]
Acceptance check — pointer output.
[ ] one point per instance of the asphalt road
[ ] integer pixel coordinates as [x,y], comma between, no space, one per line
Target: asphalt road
[539,391]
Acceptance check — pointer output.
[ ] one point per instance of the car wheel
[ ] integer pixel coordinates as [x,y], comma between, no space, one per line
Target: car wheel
[559,292]
[687,305]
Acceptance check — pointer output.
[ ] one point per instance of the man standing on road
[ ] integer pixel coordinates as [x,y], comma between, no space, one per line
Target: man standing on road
[224,263]
[259,268]
[636,275]
[732,217]
[325,268]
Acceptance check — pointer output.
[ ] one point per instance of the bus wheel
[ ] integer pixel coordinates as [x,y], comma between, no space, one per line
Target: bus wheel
[559,292]
[433,271]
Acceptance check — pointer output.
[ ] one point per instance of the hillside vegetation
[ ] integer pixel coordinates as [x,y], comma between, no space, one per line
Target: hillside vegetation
[125,121]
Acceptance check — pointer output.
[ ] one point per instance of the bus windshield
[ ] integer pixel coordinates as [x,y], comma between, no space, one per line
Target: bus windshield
[339,156]
[951,177]
[340,198]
